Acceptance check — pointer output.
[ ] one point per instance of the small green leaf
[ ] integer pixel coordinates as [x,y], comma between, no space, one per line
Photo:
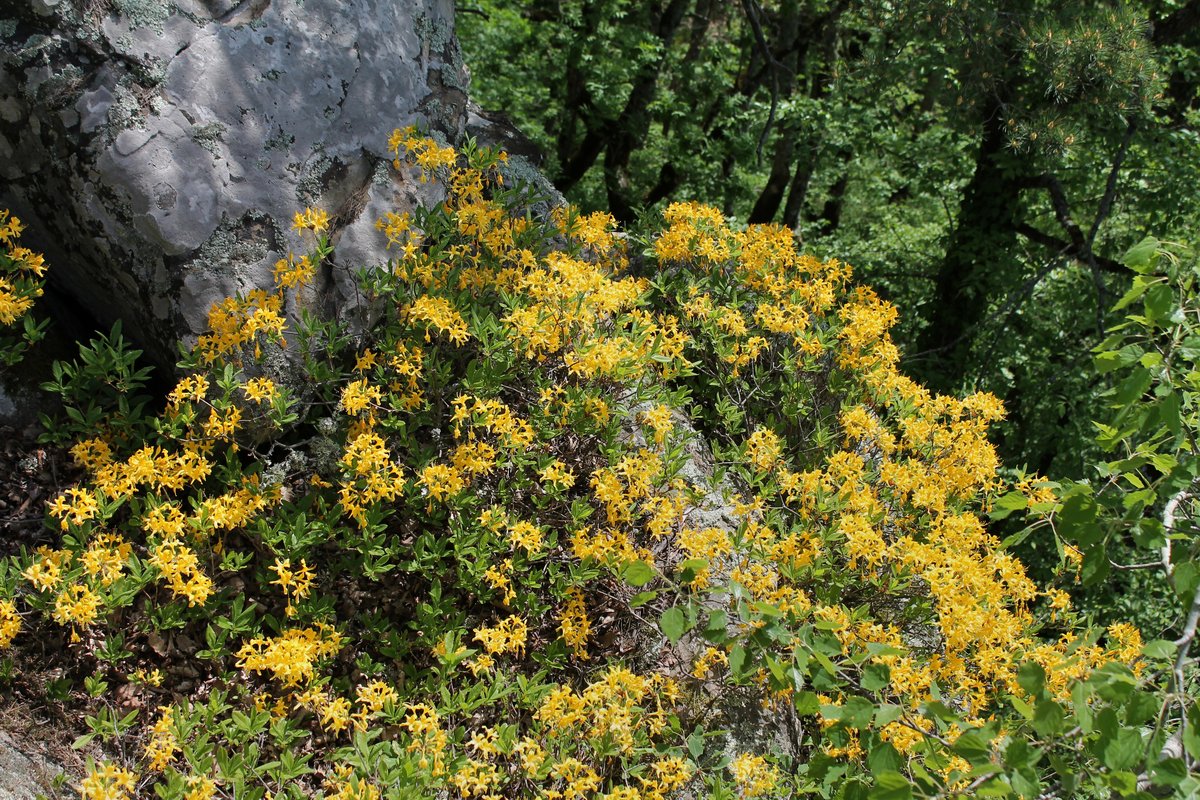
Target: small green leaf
[1142,256]
[891,786]
[875,677]
[973,747]
[640,599]
[638,573]
[737,660]
[1031,677]
[1047,718]
[673,623]
[716,630]
[1125,750]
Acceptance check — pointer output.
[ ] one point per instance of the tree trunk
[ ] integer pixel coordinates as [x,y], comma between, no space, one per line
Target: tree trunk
[976,259]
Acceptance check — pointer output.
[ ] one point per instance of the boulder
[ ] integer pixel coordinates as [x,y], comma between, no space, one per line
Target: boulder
[25,775]
[157,149]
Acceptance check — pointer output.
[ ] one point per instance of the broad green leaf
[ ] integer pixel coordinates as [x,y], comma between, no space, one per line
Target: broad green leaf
[1031,677]
[1159,303]
[1007,504]
[1077,520]
[638,573]
[1125,750]
[1186,578]
[858,712]
[1142,256]
[673,623]
[884,758]
[1112,360]
[973,747]
[1159,649]
[1047,718]
[891,786]
[875,677]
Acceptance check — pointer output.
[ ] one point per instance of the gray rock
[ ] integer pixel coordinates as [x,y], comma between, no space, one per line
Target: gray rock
[158,152]
[24,776]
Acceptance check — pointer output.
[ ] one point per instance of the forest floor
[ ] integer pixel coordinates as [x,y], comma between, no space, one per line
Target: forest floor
[37,724]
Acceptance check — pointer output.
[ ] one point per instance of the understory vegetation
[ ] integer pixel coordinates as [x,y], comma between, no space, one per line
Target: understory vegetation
[599,513]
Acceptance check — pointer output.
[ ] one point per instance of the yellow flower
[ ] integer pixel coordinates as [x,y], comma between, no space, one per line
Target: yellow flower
[506,637]
[260,390]
[107,781]
[313,219]
[754,777]
[10,623]
[763,449]
[162,746]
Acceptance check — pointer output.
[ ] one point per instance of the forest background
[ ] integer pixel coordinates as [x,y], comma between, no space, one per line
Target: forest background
[982,165]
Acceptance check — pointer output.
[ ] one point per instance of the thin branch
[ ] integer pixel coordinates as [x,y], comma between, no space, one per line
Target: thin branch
[1067,248]
[1168,520]
[1110,187]
[1131,567]
[773,66]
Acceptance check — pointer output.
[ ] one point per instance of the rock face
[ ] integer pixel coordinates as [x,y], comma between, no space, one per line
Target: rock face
[23,776]
[158,149]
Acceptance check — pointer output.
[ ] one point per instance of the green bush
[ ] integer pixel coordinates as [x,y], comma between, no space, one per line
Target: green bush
[573,500]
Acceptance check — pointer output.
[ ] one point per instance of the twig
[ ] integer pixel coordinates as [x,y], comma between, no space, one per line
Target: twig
[773,65]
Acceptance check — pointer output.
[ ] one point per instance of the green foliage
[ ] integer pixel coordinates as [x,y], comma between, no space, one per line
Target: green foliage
[479,547]
[22,279]
[99,391]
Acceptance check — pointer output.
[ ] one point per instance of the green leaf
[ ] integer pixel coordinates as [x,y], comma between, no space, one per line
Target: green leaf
[891,786]
[887,713]
[1189,348]
[690,568]
[1007,504]
[858,712]
[716,630]
[1095,567]
[1169,413]
[973,747]
[1191,736]
[1031,677]
[875,677]
[1112,360]
[1159,303]
[673,623]
[640,599]
[737,661]
[1125,750]
[638,573]
[1186,579]
[807,704]
[1048,718]
[884,758]
[1142,256]
[1159,649]
[1169,772]
[1077,520]
[695,743]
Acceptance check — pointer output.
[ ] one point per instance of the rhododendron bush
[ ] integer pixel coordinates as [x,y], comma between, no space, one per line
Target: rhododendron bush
[530,533]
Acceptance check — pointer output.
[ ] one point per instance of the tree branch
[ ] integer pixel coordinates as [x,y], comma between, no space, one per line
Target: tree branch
[1069,249]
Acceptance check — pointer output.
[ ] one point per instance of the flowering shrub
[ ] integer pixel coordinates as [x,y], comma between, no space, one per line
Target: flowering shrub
[22,274]
[483,550]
